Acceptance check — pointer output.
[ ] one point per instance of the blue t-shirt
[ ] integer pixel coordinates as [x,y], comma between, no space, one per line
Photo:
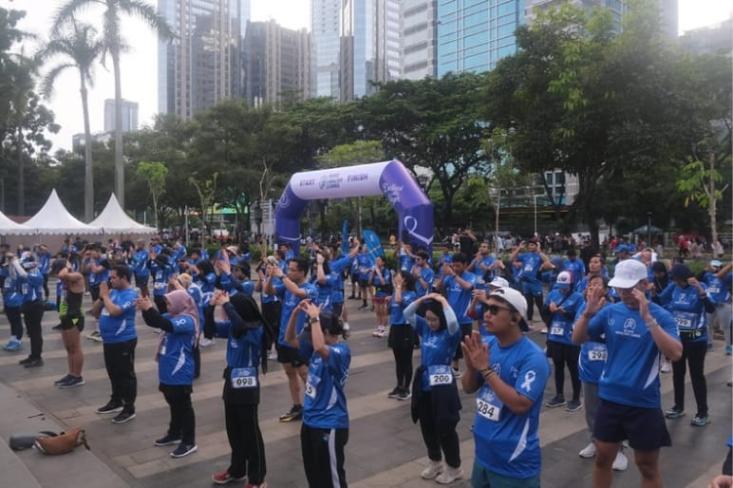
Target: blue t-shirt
[486,261]
[575,267]
[428,275]
[31,286]
[325,401]
[161,275]
[363,265]
[245,351]
[120,328]
[561,324]
[406,261]
[531,263]
[266,297]
[337,267]
[396,316]
[12,297]
[96,278]
[290,301]
[325,291]
[140,261]
[383,286]
[688,311]
[437,349]
[44,262]
[175,357]
[631,375]
[458,297]
[207,282]
[592,358]
[232,285]
[508,444]
[198,297]
[718,290]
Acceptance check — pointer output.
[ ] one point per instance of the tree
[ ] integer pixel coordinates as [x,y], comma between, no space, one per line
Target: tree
[81,49]
[113,44]
[154,173]
[206,191]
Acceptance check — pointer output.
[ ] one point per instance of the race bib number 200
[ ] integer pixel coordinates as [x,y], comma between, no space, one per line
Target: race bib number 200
[440,375]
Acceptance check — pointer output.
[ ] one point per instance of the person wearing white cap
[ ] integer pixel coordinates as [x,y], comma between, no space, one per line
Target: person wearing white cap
[636,332]
[718,280]
[509,372]
[560,307]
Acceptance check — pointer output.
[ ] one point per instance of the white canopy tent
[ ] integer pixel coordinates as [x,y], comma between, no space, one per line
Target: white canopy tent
[54,219]
[10,228]
[114,220]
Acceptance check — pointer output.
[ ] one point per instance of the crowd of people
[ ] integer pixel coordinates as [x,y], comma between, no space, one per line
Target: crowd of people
[469,314]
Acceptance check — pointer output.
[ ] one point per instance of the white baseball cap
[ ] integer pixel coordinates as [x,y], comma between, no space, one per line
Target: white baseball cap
[628,273]
[564,279]
[516,300]
[499,282]
[715,263]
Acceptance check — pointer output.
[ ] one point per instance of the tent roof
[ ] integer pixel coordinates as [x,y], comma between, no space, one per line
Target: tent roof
[114,220]
[53,218]
[8,227]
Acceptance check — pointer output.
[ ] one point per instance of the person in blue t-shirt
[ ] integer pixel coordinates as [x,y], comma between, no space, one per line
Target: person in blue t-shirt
[116,311]
[363,268]
[484,264]
[271,304]
[596,267]
[457,285]
[12,301]
[161,269]
[44,266]
[688,302]
[184,281]
[175,365]
[560,307]
[435,401]
[718,281]
[574,266]
[509,372]
[30,281]
[422,273]
[401,336]
[325,429]
[140,263]
[533,261]
[292,288]
[380,277]
[636,333]
[406,257]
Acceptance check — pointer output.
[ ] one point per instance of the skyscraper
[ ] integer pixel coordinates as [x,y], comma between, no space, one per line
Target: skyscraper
[473,35]
[616,7]
[276,63]
[202,65]
[325,48]
[129,115]
[418,36]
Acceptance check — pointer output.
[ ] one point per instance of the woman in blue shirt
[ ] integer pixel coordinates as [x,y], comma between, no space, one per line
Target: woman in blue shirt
[401,336]
[435,399]
[380,277]
[175,365]
[325,428]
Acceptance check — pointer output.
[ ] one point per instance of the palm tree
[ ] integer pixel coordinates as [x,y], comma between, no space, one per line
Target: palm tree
[113,45]
[80,48]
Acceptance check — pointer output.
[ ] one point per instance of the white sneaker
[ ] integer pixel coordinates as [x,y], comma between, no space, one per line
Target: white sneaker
[666,366]
[206,342]
[433,470]
[95,336]
[621,462]
[272,355]
[588,451]
[449,475]
[379,332]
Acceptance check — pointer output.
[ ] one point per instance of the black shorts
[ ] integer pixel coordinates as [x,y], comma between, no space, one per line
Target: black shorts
[645,428]
[401,336]
[558,351]
[94,292]
[337,308]
[271,313]
[466,330]
[289,355]
[363,282]
[69,322]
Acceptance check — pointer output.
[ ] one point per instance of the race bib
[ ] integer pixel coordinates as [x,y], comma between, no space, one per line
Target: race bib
[440,375]
[311,385]
[597,355]
[488,405]
[713,290]
[159,286]
[528,267]
[557,330]
[244,378]
[683,323]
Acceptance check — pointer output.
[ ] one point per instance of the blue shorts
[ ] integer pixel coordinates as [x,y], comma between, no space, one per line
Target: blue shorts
[645,428]
[483,478]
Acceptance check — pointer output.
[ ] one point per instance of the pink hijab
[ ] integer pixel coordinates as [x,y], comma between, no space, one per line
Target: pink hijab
[181,303]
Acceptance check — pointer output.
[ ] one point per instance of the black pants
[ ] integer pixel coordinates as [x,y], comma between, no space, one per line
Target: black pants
[533,300]
[46,295]
[323,456]
[271,313]
[694,354]
[403,365]
[196,360]
[245,439]
[447,443]
[119,359]
[16,321]
[183,420]
[32,316]
[565,355]
[160,303]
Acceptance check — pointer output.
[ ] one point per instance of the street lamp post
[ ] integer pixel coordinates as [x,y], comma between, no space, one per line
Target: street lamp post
[649,229]
[534,198]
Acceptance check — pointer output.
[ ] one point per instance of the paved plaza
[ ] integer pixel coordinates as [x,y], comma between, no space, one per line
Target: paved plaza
[384,449]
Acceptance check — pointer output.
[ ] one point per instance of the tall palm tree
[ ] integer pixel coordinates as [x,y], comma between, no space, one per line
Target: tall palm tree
[113,44]
[79,48]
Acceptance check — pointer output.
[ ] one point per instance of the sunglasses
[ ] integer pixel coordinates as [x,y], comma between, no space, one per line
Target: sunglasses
[494,309]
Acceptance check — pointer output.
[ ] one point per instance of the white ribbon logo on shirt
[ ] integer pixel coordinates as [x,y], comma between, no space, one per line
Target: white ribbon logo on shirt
[529,378]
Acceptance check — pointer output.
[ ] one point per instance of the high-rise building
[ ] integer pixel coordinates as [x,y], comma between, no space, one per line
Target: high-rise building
[370,45]
[711,39]
[669,13]
[201,66]
[473,35]
[325,48]
[418,36]
[617,7]
[276,63]
[129,115]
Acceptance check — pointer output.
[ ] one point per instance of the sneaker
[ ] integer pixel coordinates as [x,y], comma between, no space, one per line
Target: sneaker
[123,417]
[295,413]
[56,327]
[457,373]
[379,332]
[61,380]
[404,395]
[394,393]
[183,450]
[167,440]
[700,420]
[25,361]
[433,470]
[364,307]
[666,366]
[558,401]
[13,345]
[272,355]
[674,413]
[94,336]
[206,342]
[449,475]
[72,382]
[111,407]
[588,451]
[573,406]
[621,462]
[223,477]
[34,363]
